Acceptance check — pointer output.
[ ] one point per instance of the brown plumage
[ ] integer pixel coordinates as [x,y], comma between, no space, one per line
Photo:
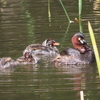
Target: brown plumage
[7,62]
[82,54]
[28,58]
[47,48]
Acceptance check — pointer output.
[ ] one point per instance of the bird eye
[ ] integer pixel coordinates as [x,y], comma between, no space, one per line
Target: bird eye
[79,38]
[58,58]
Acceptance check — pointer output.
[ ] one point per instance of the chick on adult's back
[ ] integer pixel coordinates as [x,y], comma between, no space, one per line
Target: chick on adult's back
[47,48]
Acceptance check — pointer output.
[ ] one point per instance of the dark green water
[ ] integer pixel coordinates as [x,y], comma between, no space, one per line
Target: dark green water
[23,22]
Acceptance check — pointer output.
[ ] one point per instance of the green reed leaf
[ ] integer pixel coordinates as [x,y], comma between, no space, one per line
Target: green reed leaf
[94,46]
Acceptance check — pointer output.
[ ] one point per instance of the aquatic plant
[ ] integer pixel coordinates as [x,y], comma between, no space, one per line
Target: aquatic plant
[94,46]
[49,13]
[65,11]
[80,14]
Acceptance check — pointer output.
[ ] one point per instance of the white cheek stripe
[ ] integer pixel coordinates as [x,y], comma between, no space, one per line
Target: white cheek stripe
[82,41]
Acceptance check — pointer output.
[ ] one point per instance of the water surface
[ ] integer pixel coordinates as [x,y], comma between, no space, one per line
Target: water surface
[24,22]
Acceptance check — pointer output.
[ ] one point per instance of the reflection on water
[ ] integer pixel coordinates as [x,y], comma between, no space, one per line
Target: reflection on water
[48,82]
[24,22]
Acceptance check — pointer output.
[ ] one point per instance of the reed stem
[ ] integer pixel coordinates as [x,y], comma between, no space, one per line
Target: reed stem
[81,95]
[80,6]
[49,12]
[64,10]
[65,35]
[80,13]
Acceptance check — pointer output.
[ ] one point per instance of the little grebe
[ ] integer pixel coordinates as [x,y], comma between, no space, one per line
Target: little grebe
[28,58]
[7,62]
[48,47]
[82,54]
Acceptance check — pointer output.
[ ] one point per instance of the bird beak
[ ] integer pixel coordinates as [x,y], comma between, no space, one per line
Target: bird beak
[55,43]
[82,41]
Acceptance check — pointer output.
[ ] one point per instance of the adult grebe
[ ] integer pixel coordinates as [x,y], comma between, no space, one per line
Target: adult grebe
[82,54]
